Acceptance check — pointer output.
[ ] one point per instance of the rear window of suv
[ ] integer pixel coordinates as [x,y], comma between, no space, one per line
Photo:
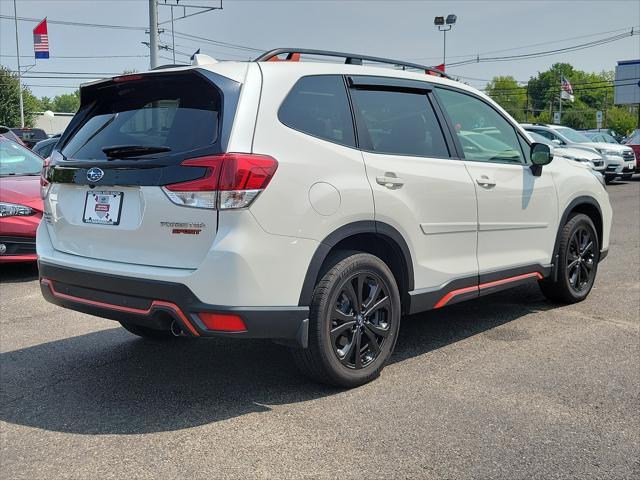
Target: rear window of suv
[181,113]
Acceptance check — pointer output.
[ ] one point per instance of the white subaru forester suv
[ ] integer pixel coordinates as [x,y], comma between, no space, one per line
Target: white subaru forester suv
[312,203]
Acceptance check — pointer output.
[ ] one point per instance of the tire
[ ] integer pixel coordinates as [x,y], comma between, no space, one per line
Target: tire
[578,258]
[338,324]
[149,333]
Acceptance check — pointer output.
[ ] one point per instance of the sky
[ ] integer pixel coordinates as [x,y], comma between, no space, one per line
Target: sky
[387,28]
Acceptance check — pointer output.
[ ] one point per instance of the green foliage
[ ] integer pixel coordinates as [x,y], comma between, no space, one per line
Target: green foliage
[67,102]
[10,101]
[509,95]
[592,92]
[622,120]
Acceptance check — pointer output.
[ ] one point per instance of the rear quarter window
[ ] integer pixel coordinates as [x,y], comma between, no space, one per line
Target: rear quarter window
[318,105]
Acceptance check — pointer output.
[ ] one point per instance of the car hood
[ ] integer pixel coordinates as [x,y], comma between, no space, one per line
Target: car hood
[606,146]
[576,153]
[24,190]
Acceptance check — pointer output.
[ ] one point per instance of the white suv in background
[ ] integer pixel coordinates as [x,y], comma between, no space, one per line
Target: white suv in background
[619,159]
[312,203]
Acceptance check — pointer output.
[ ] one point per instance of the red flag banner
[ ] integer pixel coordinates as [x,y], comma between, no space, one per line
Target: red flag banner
[41,40]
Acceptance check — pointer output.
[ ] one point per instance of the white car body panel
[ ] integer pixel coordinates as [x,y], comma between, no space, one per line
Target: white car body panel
[259,256]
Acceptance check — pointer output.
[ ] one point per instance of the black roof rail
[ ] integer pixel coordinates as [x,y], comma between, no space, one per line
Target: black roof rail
[293,55]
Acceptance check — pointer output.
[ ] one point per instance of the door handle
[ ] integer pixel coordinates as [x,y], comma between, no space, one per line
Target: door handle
[485,181]
[390,180]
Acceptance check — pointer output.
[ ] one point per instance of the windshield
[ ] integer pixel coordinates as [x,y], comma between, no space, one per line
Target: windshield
[17,160]
[178,114]
[634,139]
[573,136]
[536,137]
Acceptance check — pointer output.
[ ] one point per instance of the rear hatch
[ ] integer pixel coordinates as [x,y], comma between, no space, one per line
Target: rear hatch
[129,180]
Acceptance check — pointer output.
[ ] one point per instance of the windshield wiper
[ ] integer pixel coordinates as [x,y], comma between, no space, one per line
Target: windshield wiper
[128,151]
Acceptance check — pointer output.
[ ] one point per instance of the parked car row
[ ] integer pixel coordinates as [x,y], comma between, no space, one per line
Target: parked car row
[620,160]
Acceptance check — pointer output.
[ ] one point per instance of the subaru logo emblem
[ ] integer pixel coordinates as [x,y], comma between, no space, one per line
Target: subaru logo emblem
[94,174]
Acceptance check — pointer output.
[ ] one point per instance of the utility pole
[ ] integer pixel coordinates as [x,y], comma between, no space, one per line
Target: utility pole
[173,38]
[153,32]
[15,17]
[526,108]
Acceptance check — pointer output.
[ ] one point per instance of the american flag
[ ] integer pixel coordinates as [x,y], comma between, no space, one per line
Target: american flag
[41,40]
[566,85]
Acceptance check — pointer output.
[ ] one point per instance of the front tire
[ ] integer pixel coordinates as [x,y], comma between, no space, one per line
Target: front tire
[353,322]
[578,259]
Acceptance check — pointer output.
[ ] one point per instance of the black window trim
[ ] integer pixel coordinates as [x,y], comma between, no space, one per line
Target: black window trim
[457,143]
[394,84]
[351,109]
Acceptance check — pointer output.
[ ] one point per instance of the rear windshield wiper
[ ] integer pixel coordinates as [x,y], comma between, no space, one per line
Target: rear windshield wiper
[128,151]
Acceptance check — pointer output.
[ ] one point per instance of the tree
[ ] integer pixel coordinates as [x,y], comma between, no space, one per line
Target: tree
[67,102]
[621,119]
[10,101]
[509,95]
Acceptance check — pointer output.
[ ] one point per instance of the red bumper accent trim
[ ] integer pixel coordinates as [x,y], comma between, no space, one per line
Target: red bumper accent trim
[136,311]
[30,257]
[483,286]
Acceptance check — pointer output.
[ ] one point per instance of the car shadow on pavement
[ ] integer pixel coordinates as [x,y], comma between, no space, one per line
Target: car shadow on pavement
[109,382]
[18,272]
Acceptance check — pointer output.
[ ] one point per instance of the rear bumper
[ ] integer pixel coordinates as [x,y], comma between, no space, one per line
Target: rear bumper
[156,304]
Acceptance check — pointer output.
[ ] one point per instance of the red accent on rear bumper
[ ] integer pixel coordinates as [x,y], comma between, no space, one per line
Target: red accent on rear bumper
[137,311]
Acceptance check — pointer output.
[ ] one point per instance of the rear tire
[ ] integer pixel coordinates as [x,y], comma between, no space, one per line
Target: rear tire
[145,332]
[578,259]
[354,320]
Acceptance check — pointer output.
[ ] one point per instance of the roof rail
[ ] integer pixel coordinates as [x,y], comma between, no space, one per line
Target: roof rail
[293,55]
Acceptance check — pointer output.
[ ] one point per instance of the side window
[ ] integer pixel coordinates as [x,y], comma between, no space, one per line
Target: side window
[545,134]
[318,105]
[484,134]
[399,123]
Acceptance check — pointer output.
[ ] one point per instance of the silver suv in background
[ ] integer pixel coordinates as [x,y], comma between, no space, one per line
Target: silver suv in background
[592,158]
[619,159]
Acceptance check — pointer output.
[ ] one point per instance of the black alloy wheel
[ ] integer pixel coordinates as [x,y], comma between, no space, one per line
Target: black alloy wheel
[354,319]
[360,321]
[581,259]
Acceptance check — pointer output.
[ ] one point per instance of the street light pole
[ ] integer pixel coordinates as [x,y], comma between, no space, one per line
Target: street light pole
[153,32]
[15,17]
[444,25]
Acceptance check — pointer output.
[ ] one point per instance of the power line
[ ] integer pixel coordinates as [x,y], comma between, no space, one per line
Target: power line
[525,56]
[74,24]
[550,42]
[81,56]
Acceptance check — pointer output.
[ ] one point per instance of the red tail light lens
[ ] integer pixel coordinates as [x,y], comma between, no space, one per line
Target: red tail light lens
[44,183]
[209,182]
[242,171]
[231,180]
[127,78]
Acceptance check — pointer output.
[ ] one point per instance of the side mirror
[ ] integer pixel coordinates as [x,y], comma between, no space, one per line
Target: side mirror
[556,141]
[540,156]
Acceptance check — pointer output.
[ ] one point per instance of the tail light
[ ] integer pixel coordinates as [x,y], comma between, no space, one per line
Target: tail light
[44,183]
[230,181]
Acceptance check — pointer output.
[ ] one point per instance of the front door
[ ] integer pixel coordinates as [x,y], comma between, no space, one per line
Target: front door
[517,210]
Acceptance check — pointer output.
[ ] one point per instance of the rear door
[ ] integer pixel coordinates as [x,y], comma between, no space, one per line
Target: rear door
[517,211]
[418,188]
[111,194]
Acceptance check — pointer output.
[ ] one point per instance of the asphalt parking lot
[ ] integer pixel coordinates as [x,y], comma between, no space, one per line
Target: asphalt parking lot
[508,386]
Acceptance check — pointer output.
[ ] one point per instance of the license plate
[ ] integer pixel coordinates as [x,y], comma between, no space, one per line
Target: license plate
[102,207]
